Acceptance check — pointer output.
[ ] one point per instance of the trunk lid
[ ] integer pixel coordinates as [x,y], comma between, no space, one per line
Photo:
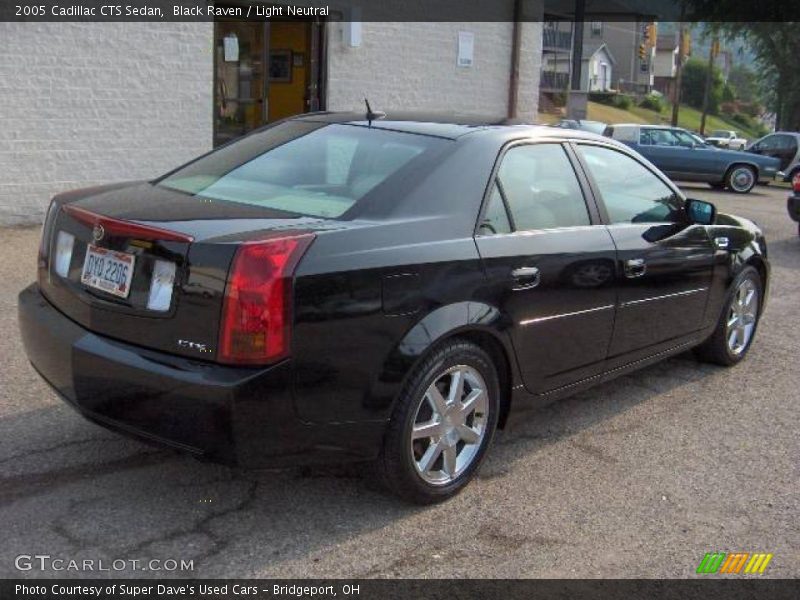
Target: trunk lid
[178,249]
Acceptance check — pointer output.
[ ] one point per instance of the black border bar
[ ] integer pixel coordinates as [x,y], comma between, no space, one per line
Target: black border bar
[396,10]
[734,588]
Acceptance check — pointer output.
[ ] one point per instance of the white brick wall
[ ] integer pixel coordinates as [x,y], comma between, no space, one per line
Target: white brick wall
[412,66]
[87,103]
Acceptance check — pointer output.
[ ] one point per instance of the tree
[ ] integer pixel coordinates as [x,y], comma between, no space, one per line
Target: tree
[693,85]
[744,84]
[776,46]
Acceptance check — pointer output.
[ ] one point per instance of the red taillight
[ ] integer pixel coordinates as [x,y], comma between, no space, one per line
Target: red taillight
[796,183]
[256,317]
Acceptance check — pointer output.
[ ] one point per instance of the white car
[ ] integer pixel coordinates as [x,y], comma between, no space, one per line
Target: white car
[726,138]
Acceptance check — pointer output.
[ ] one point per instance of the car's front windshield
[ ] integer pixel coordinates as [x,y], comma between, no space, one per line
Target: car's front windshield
[303,167]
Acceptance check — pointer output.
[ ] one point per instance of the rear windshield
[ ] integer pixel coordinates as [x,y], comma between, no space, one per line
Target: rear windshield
[719,133]
[305,168]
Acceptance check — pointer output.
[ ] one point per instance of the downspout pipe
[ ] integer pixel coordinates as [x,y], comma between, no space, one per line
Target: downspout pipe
[513,80]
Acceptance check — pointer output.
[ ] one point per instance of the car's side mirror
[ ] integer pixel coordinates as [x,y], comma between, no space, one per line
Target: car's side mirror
[700,212]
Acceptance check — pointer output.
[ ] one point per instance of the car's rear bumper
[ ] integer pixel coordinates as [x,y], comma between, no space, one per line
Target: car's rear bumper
[793,207]
[234,415]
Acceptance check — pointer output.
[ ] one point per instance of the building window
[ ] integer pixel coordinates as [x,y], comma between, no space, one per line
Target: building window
[597,28]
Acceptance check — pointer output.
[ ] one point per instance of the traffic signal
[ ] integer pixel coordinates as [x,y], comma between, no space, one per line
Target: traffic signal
[642,51]
[651,33]
[686,42]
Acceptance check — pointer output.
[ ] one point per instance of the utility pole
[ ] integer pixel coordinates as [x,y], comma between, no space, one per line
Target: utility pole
[712,52]
[576,101]
[676,93]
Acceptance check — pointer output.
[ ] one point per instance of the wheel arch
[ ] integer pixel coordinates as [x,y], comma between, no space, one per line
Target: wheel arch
[476,322]
[741,161]
[760,265]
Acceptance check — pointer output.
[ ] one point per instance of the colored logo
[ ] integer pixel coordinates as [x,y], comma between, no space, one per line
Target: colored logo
[734,563]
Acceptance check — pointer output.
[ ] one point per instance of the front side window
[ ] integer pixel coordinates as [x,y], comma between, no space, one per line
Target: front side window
[631,192]
[303,167]
[541,188]
[768,143]
[684,137]
[662,137]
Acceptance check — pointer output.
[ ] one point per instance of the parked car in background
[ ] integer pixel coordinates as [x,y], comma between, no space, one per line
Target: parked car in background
[726,138]
[681,156]
[793,203]
[597,127]
[784,146]
[336,287]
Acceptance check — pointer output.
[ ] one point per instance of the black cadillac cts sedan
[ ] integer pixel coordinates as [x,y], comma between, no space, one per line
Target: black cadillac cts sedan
[332,288]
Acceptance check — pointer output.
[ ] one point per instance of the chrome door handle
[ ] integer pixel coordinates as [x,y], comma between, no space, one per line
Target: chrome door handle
[635,267]
[526,278]
[722,242]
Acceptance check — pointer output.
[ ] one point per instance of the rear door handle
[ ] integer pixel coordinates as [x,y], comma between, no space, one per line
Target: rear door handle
[635,267]
[526,278]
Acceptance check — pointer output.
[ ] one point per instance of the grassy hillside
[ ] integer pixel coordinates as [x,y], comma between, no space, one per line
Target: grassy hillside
[688,118]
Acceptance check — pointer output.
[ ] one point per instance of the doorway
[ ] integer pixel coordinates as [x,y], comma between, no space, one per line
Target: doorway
[265,71]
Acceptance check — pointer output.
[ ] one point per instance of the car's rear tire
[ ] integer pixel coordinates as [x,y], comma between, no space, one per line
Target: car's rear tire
[738,322]
[740,179]
[444,421]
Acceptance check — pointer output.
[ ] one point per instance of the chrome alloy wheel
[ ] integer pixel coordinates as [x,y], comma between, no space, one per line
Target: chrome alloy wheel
[742,179]
[450,424]
[742,317]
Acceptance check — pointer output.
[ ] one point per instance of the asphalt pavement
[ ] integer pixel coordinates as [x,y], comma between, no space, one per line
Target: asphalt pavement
[639,477]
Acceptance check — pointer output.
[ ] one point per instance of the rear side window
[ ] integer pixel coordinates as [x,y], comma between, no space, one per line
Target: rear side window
[305,168]
[631,192]
[625,133]
[495,220]
[541,188]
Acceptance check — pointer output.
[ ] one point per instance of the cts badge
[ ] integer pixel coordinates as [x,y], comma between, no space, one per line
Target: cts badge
[98,232]
[193,345]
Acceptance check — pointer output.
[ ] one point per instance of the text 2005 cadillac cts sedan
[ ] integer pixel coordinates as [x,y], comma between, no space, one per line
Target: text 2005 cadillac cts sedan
[334,288]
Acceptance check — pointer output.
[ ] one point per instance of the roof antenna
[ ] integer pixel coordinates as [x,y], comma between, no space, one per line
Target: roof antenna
[373,115]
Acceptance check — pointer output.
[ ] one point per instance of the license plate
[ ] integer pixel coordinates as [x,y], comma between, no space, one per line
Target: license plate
[108,271]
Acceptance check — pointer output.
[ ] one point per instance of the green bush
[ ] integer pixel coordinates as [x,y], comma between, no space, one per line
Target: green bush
[602,97]
[652,102]
[742,119]
[727,94]
[622,101]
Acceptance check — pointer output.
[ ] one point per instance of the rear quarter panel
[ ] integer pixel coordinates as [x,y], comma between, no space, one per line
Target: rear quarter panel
[371,299]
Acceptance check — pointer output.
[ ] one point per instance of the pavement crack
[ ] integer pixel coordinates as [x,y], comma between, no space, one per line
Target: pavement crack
[201,527]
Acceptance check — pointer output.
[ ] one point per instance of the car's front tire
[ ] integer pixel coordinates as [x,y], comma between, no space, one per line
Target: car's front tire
[740,179]
[443,423]
[737,325]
